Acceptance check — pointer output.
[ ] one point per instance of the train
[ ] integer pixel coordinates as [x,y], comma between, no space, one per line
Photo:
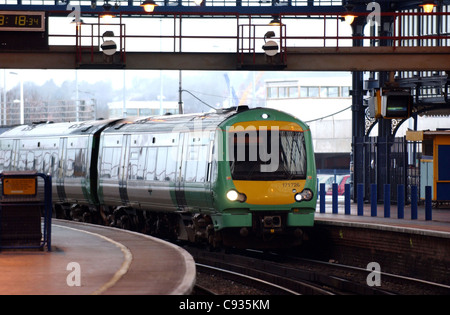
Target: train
[236,177]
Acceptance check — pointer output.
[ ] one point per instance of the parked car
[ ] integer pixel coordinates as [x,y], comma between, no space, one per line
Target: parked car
[341,180]
[325,179]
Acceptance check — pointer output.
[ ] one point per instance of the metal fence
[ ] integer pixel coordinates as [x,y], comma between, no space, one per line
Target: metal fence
[25,210]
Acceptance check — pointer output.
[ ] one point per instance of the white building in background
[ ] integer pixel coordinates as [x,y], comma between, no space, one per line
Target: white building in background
[141,108]
[324,103]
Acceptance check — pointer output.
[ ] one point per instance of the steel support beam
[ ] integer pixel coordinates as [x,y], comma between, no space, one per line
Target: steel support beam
[298,59]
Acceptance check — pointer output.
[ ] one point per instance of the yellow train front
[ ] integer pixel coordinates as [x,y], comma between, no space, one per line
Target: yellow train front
[265,186]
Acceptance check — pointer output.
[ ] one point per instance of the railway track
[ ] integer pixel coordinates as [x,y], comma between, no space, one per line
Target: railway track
[275,277]
[304,276]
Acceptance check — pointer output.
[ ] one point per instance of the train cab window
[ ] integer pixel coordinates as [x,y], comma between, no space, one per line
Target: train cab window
[262,157]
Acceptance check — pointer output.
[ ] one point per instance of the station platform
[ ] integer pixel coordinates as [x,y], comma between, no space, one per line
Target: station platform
[440,217]
[88,259]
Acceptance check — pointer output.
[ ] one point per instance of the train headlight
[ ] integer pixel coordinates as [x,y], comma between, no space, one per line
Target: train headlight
[233,195]
[305,195]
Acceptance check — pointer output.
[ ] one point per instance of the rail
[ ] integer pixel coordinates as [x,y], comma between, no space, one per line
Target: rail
[245,35]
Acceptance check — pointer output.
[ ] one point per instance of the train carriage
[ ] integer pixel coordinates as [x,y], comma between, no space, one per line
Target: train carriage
[230,177]
[238,177]
[63,150]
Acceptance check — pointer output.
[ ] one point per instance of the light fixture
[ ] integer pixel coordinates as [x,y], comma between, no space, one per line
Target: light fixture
[199,2]
[275,21]
[349,16]
[107,14]
[428,6]
[149,5]
[78,22]
[107,6]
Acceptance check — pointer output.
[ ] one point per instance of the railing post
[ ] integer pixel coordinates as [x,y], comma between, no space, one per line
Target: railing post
[360,197]
[322,197]
[401,201]
[335,198]
[387,200]
[428,207]
[414,201]
[347,198]
[373,200]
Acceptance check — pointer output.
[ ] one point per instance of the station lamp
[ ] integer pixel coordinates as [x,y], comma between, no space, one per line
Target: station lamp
[149,5]
[428,6]
[349,18]
[107,13]
[275,21]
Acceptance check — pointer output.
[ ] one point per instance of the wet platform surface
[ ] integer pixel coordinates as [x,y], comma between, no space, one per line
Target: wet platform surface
[90,259]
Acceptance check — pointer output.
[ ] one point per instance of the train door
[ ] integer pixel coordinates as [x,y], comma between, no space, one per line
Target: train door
[110,173]
[123,169]
[197,161]
[15,155]
[60,171]
[179,180]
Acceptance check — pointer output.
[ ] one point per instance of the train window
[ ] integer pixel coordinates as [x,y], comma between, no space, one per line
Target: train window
[171,166]
[55,162]
[293,154]
[46,167]
[161,164]
[30,161]
[141,163]
[38,161]
[110,162]
[22,161]
[2,159]
[151,164]
[133,163]
[79,168]
[70,158]
[7,160]
[202,163]
[191,163]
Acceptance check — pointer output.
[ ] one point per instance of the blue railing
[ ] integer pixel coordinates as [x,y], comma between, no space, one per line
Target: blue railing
[374,203]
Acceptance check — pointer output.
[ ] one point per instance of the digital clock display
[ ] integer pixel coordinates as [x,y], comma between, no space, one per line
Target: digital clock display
[22,21]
